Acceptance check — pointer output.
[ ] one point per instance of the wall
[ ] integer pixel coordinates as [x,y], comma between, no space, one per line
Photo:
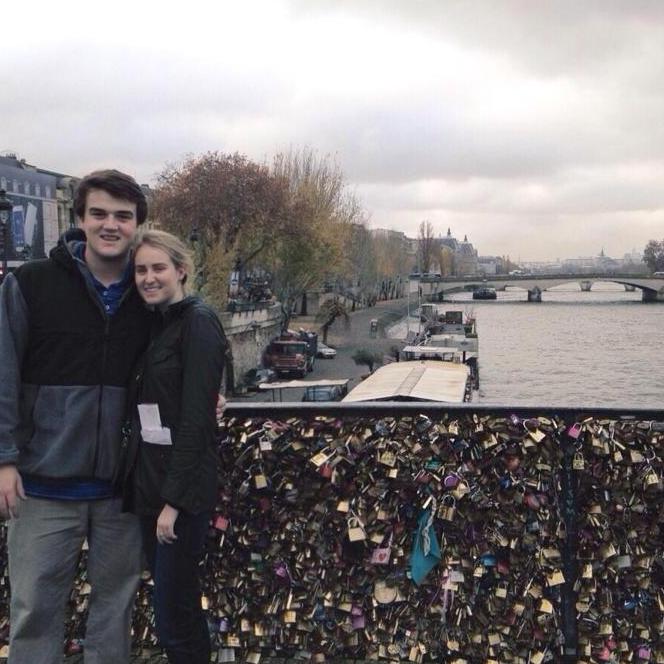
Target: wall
[249,332]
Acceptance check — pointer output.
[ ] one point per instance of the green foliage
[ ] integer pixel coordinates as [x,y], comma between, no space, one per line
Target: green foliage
[653,255]
[364,356]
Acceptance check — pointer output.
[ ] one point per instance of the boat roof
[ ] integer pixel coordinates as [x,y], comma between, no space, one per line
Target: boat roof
[416,380]
[287,384]
[430,350]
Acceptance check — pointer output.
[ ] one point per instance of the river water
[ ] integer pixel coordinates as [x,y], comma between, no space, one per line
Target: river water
[601,348]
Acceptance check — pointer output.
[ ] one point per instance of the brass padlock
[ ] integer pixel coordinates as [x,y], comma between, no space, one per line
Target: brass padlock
[555,578]
[447,508]
[578,462]
[355,530]
[652,478]
[388,458]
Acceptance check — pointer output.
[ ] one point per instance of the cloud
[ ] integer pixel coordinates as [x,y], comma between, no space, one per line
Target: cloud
[515,122]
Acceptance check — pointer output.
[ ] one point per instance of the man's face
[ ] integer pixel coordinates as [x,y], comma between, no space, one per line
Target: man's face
[110,226]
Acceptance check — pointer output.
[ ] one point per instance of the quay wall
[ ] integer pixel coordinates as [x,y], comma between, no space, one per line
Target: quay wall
[249,332]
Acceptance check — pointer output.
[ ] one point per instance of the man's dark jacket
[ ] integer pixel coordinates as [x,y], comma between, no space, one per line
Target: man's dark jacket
[64,367]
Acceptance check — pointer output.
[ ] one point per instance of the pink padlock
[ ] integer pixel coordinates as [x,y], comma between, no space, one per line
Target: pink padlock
[643,652]
[604,655]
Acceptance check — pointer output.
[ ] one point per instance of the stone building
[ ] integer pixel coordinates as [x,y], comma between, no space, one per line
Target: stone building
[465,255]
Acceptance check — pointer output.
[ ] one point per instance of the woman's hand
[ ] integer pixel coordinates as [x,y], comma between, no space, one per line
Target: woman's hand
[166,525]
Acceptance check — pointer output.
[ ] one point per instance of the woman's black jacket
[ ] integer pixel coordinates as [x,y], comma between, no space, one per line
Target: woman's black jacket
[181,371]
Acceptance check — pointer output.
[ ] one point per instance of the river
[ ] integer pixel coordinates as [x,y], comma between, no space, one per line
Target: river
[601,348]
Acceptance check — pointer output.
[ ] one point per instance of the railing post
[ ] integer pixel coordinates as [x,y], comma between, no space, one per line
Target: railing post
[568,509]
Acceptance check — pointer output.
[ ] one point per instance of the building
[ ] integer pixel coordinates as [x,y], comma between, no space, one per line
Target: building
[43,208]
[488,265]
[465,255]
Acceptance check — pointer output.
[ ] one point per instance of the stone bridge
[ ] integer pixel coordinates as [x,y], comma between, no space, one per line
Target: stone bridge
[652,287]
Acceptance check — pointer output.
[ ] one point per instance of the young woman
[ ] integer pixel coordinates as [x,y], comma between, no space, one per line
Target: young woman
[171,481]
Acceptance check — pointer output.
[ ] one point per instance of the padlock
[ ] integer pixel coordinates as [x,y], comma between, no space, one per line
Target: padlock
[578,462]
[574,431]
[501,590]
[447,509]
[356,529]
[388,458]
[555,578]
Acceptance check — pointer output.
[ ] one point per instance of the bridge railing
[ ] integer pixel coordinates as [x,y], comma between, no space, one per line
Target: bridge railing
[422,532]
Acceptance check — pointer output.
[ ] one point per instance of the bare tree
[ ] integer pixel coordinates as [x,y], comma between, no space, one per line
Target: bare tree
[329,312]
[426,246]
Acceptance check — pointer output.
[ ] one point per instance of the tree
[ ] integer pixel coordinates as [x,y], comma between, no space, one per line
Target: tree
[361,261]
[235,205]
[364,356]
[653,255]
[329,312]
[446,261]
[426,246]
[392,258]
[320,211]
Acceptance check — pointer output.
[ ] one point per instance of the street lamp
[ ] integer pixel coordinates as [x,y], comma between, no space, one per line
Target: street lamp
[5,214]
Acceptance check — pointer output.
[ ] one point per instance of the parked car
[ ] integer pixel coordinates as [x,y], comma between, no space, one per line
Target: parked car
[325,393]
[325,351]
[254,377]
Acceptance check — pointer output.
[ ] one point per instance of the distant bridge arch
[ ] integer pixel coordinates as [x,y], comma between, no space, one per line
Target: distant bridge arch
[652,288]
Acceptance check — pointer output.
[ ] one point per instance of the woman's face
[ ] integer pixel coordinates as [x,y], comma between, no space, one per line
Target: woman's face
[158,281]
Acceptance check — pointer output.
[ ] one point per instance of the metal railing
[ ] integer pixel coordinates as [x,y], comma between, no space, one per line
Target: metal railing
[549,521]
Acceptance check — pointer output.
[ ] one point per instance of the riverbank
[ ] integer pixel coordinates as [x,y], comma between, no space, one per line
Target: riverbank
[346,341]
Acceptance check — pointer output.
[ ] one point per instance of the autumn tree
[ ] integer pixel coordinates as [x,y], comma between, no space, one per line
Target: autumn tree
[320,210]
[426,246]
[232,205]
[392,258]
[653,255]
[445,260]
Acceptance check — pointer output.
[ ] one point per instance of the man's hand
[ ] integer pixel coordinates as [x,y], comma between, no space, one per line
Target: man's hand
[166,525]
[221,406]
[11,489]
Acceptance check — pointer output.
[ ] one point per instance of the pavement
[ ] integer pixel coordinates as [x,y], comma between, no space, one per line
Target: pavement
[346,342]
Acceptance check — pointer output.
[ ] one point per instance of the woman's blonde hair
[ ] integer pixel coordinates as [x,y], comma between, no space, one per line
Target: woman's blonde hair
[172,246]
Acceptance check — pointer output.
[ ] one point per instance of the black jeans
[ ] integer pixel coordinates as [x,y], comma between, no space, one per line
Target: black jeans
[179,619]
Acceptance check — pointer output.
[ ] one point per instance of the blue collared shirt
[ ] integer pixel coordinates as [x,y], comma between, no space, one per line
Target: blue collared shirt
[109,295]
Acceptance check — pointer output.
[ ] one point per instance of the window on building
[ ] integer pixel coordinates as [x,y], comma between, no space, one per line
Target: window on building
[3,183]
[26,186]
[47,191]
[37,190]
[15,186]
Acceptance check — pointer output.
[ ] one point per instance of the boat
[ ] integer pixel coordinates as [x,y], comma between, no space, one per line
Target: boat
[415,380]
[484,293]
[451,336]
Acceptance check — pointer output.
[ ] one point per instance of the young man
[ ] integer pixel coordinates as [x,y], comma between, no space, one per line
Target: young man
[71,327]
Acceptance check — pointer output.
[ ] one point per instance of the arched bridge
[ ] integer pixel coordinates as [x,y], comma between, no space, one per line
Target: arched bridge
[652,287]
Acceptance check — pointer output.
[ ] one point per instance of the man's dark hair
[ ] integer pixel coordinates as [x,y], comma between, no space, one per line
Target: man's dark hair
[115,183]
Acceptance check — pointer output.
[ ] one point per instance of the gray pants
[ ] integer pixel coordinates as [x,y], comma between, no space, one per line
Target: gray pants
[44,544]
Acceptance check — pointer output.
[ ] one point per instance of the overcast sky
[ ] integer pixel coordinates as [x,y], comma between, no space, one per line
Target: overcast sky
[535,127]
